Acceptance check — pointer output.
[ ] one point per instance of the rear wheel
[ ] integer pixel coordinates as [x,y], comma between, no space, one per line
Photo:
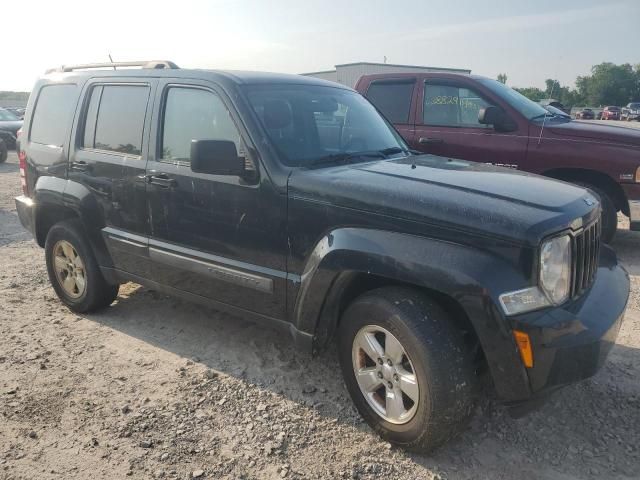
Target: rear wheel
[73,270]
[3,151]
[407,368]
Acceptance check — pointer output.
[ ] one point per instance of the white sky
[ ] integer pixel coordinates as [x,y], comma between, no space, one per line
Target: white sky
[527,40]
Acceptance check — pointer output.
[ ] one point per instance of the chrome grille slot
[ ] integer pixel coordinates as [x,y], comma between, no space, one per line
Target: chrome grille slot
[586,248]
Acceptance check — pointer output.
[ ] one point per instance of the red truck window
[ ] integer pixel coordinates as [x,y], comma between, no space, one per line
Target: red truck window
[393,99]
[452,106]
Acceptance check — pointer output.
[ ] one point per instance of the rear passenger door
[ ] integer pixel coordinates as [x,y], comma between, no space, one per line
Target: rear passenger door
[395,98]
[109,159]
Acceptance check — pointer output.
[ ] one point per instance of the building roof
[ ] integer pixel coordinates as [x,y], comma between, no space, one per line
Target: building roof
[392,65]
[319,72]
[462,70]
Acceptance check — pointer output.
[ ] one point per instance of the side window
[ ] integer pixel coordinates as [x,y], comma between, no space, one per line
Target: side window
[194,114]
[120,118]
[393,99]
[52,115]
[452,106]
[90,119]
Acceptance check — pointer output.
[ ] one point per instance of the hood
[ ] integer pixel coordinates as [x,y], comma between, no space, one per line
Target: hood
[453,194]
[598,132]
[11,126]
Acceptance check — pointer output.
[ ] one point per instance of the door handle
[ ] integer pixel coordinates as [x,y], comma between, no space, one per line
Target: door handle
[79,166]
[430,141]
[162,180]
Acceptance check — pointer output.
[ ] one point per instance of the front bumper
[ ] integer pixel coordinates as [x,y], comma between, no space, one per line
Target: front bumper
[26,213]
[571,343]
[634,215]
[632,192]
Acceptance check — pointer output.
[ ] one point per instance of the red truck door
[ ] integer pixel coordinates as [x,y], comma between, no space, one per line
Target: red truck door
[447,125]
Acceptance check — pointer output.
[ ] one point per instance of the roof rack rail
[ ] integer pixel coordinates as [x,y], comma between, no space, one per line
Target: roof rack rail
[151,64]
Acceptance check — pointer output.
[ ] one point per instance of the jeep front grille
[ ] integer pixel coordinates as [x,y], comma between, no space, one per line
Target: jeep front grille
[586,248]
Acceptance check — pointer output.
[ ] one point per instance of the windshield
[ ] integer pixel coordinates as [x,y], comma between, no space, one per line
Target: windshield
[634,105]
[518,101]
[7,116]
[308,123]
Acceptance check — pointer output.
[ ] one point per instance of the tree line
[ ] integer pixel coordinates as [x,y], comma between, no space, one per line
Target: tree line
[14,96]
[608,84]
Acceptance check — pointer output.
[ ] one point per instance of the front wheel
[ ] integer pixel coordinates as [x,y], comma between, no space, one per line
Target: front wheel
[407,368]
[73,270]
[4,153]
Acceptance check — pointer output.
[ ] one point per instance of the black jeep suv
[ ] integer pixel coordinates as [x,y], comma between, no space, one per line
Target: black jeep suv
[292,201]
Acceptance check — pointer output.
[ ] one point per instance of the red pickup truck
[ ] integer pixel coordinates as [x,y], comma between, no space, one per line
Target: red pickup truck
[480,119]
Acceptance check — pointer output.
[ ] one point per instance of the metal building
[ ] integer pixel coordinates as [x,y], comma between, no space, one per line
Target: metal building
[349,73]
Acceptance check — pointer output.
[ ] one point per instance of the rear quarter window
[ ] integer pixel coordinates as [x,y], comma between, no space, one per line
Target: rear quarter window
[393,99]
[53,114]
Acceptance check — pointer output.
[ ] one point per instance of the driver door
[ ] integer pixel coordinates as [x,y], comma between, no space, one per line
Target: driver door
[221,237]
[447,125]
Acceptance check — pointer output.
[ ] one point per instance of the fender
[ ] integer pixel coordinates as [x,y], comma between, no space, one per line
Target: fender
[55,191]
[472,277]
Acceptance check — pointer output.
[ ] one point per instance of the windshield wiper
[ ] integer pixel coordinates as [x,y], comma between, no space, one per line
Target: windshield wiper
[345,157]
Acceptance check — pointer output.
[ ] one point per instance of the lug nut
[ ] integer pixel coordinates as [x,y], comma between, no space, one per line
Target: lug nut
[396,377]
[390,363]
[390,385]
[379,374]
[380,361]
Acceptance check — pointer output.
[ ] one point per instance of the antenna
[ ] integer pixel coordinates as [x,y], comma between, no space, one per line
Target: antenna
[111,60]
[544,120]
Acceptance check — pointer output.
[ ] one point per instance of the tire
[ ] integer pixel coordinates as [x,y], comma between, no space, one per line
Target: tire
[434,350]
[3,152]
[86,289]
[609,213]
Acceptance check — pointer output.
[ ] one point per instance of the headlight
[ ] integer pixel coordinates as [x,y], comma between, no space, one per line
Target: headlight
[555,268]
[554,284]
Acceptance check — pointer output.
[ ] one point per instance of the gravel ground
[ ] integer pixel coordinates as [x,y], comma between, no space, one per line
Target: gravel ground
[154,387]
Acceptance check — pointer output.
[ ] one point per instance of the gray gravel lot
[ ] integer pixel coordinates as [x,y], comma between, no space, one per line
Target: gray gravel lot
[154,387]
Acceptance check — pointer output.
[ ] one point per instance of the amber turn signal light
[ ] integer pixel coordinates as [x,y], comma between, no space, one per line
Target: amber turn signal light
[524,345]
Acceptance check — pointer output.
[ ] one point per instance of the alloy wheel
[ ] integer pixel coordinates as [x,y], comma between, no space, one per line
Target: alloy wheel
[69,269]
[385,374]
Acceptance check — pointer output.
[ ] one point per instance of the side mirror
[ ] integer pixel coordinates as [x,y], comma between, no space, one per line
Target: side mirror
[216,157]
[495,116]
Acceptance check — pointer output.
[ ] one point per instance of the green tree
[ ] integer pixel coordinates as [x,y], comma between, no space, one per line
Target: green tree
[552,89]
[502,78]
[532,93]
[610,84]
